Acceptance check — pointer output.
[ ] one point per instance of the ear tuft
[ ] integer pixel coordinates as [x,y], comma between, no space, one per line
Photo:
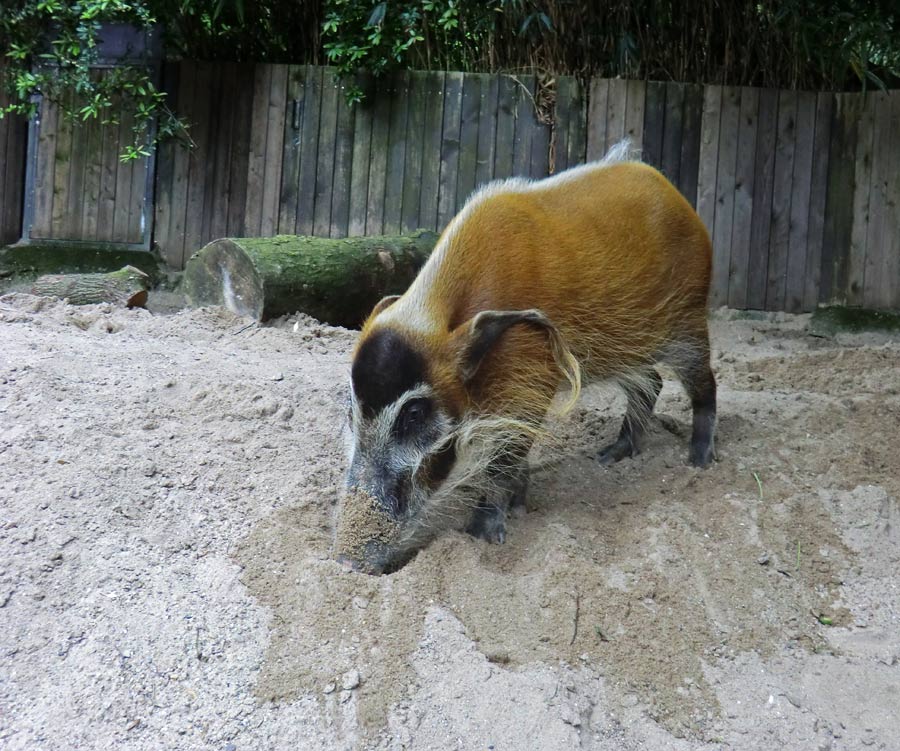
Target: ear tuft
[383,304]
[488,326]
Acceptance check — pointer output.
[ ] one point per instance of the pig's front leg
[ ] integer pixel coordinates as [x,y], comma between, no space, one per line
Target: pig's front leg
[509,481]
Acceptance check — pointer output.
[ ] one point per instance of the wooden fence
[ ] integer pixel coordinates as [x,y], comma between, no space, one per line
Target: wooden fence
[13,144]
[800,191]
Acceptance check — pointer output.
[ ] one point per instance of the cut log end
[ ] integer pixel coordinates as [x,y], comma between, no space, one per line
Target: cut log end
[337,281]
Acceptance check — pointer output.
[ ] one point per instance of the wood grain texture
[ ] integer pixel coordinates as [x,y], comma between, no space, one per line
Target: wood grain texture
[654,123]
[468,137]
[393,190]
[309,151]
[801,188]
[818,190]
[343,165]
[597,118]
[505,128]
[854,287]
[487,130]
[743,199]
[779,232]
[690,143]
[453,85]
[673,132]
[415,137]
[724,194]
[876,292]
[761,220]
[431,151]
[363,113]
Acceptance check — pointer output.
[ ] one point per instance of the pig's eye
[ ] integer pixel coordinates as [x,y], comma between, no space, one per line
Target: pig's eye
[412,417]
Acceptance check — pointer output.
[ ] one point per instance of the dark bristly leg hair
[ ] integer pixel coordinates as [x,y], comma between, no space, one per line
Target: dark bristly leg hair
[700,383]
[641,393]
[510,477]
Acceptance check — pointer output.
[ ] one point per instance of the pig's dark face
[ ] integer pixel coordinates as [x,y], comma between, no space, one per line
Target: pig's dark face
[401,448]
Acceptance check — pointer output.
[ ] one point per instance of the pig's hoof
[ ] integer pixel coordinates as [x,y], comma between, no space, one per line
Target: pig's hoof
[702,455]
[622,448]
[488,523]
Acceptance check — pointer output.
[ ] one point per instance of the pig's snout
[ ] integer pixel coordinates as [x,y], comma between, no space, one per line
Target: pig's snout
[358,566]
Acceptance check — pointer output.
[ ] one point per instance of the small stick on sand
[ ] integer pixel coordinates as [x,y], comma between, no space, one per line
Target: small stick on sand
[575,620]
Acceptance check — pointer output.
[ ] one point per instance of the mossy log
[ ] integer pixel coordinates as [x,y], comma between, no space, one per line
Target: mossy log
[337,281]
[128,286]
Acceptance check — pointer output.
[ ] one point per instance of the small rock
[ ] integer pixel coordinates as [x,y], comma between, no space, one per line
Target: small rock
[230,747]
[329,688]
[350,680]
[793,700]
[360,602]
[278,377]
[345,696]
[763,560]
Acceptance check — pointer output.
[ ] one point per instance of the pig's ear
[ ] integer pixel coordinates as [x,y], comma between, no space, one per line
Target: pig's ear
[383,304]
[483,331]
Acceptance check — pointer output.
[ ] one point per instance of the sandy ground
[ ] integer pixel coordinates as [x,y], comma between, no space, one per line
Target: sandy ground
[167,494]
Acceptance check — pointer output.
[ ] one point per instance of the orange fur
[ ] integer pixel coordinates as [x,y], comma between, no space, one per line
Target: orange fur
[614,256]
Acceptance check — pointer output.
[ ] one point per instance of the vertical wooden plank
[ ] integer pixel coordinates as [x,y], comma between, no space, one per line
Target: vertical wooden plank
[671,148]
[256,163]
[239,156]
[801,188]
[856,259]
[174,250]
[393,193]
[381,124]
[13,156]
[525,126]
[876,292]
[890,257]
[598,96]
[92,144]
[165,168]
[709,156]
[565,94]
[216,200]
[290,158]
[690,141]
[201,107]
[763,177]
[487,129]
[743,199]
[431,150]
[468,136]
[725,188]
[615,112]
[109,145]
[72,218]
[276,112]
[539,165]
[506,127]
[453,85]
[816,219]
[362,154]
[415,139]
[44,181]
[343,162]
[654,123]
[577,126]
[138,202]
[634,113]
[309,150]
[839,201]
[779,232]
[326,154]
[62,170]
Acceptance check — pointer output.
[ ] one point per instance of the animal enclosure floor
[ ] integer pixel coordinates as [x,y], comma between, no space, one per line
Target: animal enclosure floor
[167,491]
